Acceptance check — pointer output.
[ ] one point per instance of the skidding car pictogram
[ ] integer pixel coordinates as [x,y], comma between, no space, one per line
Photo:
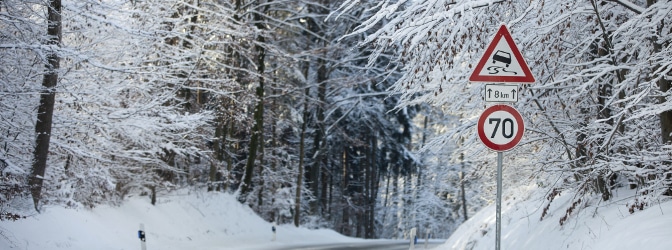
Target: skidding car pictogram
[503,57]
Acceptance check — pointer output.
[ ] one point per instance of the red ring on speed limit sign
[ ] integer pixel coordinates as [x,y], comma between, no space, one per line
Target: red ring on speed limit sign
[506,133]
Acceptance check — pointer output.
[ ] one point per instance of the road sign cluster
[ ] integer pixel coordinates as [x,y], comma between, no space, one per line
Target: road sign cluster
[501,127]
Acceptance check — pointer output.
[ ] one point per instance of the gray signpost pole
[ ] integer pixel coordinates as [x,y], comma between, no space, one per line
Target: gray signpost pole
[499,200]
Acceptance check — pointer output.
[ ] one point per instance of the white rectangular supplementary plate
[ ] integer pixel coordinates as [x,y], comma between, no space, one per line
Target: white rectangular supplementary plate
[501,92]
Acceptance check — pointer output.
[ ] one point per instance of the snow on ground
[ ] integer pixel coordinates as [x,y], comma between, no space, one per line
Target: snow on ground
[594,225]
[184,220]
[213,221]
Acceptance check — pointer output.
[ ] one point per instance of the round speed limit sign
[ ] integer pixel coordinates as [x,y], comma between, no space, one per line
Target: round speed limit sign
[500,127]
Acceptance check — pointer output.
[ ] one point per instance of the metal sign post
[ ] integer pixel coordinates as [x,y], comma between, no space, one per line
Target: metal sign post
[499,200]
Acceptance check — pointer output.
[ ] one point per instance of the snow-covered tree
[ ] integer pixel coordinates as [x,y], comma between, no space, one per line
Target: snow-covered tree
[122,123]
[599,97]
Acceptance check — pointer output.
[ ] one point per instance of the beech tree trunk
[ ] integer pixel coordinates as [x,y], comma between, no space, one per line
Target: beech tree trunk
[45,111]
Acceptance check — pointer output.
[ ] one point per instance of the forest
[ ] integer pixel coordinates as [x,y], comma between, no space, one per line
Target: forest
[347,114]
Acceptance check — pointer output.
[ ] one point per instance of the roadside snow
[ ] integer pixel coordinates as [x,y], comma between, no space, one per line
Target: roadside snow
[205,221]
[213,221]
[594,225]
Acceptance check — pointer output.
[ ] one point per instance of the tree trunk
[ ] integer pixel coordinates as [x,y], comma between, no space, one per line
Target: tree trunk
[299,180]
[424,138]
[367,192]
[153,194]
[274,156]
[45,111]
[331,197]
[396,197]
[319,146]
[258,128]
[212,175]
[324,177]
[299,177]
[260,196]
[408,215]
[345,222]
[302,149]
[229,158]
[463,194]
[372,184]
[254,143]
[218,154]
[666,125]
[664,85]
[262,153]
[604,92]
[314,173]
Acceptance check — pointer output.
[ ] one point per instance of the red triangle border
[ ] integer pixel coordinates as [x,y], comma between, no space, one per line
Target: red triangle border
[502,32]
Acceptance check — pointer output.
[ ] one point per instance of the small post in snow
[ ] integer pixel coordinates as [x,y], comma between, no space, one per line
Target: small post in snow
[273,229]
[141,235]
[413,238]
[427,237]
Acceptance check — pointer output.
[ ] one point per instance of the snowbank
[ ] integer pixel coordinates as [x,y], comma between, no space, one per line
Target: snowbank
[594,225]
[180,221]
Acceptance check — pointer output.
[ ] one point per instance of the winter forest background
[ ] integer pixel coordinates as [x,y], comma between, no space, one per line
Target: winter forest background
[351,115]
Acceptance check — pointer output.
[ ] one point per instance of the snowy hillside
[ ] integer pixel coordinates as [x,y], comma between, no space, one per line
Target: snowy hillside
[602,226]
[180,221]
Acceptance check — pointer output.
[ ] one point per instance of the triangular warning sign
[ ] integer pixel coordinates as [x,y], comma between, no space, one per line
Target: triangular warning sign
[502,62]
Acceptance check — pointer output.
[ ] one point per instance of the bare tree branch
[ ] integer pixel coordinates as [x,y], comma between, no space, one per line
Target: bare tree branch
[629,5]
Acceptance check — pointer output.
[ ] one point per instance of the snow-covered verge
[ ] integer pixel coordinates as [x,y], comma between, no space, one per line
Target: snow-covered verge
[183,220]
[590,225]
